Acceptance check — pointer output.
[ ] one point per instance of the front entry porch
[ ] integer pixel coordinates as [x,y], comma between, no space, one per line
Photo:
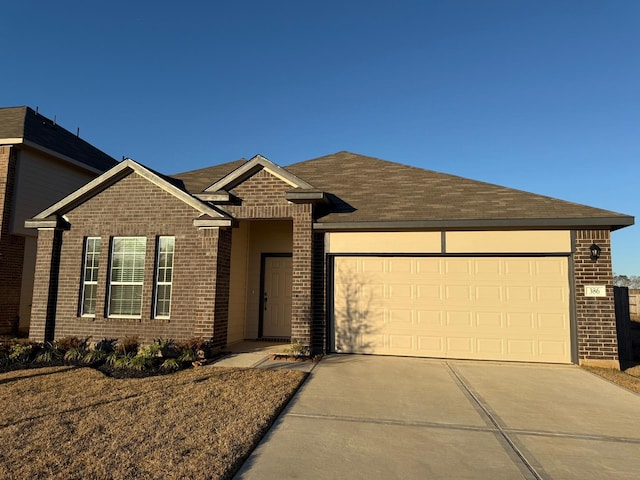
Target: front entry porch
[260,295]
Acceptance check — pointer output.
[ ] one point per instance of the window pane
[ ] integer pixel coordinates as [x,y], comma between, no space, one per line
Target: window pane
[127,276]
[164,276]
[90,276]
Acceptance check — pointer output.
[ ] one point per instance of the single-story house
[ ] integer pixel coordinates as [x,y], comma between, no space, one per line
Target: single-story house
[342,253]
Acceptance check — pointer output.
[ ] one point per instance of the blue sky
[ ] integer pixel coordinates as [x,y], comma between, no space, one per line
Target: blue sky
[542,96]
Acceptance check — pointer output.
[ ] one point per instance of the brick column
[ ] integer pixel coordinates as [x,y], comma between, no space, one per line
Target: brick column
[11,248]
[45,290]
[595,316]
[318,299]
[222,279]
[301,317]
[212,280]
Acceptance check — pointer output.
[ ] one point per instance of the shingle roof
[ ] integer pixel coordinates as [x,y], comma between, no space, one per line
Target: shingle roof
[372,192]
[195,181]
[24,123]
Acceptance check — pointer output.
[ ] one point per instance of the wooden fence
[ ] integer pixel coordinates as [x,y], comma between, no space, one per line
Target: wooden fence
[634,303]
[623,323]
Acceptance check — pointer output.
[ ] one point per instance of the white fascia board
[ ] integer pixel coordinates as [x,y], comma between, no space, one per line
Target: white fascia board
[11,141]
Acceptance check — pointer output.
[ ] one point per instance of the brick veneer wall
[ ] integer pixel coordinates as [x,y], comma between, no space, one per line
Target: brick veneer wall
[595,316]
[11,247]
[263,197]
[319,299]
[135,207]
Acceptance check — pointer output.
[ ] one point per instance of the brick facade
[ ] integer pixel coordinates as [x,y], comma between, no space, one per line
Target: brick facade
[135,207]
[595,316]
[11,247]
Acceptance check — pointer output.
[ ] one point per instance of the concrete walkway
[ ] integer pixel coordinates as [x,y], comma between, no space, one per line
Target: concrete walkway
[257,355]
[386,417]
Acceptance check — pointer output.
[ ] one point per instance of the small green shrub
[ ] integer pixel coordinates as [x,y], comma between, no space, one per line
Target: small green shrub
[170,365]
[121,361]
[140,362]
[49,353]
[149,351]
[20,352]
[75,354]
[187,355]
[168,347]
[94,356]
[296,348]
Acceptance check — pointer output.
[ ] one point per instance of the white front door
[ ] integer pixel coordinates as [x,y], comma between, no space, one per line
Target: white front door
[276,300]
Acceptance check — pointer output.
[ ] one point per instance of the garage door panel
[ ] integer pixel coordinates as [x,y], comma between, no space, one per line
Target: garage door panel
[491,267]
[429,318]
[460,346]
[483,308]
[489,294]
[552,322]
[458,293]
[399,292]
[492,320]
[429,292]
[490,347]
[459,320]
[520,320]
[518,266]
[519,293]
[397,318]
[457,267]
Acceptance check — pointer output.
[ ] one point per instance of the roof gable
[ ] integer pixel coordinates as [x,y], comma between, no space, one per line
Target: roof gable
[211,216]
[252,167]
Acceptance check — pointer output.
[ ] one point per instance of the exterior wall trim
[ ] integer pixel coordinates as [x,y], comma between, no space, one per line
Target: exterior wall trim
[608,223]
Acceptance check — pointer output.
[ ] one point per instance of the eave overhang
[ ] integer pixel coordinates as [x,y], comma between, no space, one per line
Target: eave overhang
[54,221]
[216,197]
[608,223]
[205,221]
[306,196]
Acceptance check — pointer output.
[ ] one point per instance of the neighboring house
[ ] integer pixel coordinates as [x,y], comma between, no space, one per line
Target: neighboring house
[40,163]
[344,253]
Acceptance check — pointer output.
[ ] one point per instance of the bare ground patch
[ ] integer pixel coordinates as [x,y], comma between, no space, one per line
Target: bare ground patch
[68,423]
[628,378]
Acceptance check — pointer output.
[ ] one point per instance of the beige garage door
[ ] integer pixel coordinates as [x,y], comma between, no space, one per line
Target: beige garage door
[489,308]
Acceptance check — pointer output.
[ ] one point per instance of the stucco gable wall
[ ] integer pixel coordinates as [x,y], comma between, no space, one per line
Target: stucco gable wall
[135,207]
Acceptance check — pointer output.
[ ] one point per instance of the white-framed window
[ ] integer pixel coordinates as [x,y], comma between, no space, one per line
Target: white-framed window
[89,284]
[126,276]
[164,276]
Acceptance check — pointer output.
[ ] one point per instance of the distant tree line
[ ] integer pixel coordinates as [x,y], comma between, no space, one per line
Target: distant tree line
[631,281]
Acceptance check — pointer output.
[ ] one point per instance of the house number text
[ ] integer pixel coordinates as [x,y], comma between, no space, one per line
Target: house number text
[595,291]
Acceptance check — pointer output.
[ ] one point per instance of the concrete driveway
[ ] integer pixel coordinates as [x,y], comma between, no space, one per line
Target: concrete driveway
[387,417]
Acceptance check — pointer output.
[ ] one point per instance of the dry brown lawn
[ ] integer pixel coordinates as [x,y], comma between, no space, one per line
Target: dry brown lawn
[629,378]
[76,423]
